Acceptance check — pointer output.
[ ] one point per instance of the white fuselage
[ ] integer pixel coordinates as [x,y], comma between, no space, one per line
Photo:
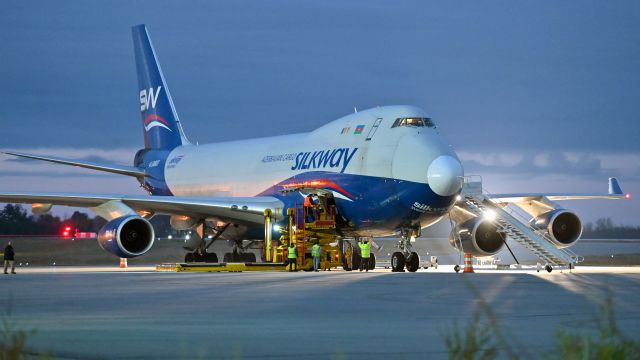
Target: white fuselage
[248,167]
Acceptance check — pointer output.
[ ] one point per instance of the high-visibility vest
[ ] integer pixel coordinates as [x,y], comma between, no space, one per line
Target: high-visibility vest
[292,252]
[365,250]
[315,250]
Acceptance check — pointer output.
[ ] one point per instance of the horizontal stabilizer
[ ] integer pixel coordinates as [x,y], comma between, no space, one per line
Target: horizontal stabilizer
[116,169]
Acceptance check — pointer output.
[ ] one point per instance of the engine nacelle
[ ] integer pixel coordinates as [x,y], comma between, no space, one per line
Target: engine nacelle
[127,236]
[182,222]
[40,208]
[478,236]
[563,227]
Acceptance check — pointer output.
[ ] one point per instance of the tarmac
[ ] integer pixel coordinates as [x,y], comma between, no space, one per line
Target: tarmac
[137,313]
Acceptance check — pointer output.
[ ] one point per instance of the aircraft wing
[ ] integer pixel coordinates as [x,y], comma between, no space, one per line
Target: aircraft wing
[615,192]
[245,210]
[116,169]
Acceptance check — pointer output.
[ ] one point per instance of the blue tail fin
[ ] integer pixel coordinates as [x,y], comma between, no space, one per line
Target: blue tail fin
[162,129]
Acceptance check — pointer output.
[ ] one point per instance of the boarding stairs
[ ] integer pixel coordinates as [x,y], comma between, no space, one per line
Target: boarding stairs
[532,239]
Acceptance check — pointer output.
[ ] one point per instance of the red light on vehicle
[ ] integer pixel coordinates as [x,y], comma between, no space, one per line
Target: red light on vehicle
[66,231]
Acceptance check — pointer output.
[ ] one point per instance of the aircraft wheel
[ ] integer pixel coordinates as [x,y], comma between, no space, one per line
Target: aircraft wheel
[413,262]
[248,257]
[189,257]
[548,268]
[197,257]
[397,262]
[456,268]
[372,261]
[228,257]
[211,258]
[355,261]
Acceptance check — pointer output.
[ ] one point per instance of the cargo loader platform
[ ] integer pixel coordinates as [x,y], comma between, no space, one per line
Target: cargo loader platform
[221,267]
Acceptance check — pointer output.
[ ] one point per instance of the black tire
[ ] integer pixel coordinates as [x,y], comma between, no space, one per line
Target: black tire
[456,268]
[413,262]
[397,262]
[356,259]
[248,257]
[227,258]
[548,268]
[189,258]
[198,257]
[211,258]
[372,261]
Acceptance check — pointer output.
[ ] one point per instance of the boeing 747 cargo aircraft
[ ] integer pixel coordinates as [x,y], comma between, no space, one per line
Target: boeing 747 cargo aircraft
[374,173]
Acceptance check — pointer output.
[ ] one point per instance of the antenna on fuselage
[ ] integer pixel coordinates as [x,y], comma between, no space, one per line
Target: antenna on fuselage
[355,109]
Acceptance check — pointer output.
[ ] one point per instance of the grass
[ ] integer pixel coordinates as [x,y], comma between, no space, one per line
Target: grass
[608,342]
[481,338]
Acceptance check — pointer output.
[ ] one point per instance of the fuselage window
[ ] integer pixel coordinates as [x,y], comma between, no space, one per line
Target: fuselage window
[414,121]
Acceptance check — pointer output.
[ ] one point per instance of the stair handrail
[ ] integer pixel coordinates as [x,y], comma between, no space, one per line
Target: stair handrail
[519,217]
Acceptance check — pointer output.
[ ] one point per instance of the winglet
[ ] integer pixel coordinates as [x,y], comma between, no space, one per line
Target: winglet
[614,187]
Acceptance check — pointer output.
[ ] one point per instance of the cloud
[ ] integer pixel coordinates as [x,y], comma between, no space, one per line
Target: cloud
[537,164]
[491,159]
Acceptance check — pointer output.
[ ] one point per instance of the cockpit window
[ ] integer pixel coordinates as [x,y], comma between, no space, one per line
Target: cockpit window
[413,121]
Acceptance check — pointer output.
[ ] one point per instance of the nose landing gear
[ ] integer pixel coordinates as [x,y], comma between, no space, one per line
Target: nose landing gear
[405,257]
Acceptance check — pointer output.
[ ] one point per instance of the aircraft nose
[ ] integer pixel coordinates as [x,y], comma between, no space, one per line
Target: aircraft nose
[445,175]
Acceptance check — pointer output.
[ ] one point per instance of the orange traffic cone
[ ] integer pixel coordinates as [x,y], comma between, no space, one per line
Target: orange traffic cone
[468,263]
[123,262]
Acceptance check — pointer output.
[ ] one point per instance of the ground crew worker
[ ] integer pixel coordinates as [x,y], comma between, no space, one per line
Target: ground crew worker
[315,252]
[292,257]
[317,206]
[308,208]
[9,259]
[365,254]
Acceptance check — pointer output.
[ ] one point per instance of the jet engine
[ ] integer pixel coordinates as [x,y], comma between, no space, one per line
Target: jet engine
[563,227]
[478,236]
[127,236]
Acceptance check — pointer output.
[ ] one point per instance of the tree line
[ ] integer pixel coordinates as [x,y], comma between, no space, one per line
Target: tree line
[15,220]
[604,228]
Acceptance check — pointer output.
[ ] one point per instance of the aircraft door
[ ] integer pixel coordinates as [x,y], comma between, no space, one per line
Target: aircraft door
[373,129]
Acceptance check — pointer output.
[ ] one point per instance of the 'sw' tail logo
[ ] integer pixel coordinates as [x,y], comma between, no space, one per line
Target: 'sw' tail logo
[149,98]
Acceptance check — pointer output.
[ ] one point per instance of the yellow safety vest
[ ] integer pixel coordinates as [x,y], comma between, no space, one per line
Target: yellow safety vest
[292,252]
[315,250]
[365,250]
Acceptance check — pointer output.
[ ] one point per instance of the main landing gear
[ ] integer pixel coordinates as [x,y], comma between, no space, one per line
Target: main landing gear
[239,254]
[405,258]
[200,253]
[198,256]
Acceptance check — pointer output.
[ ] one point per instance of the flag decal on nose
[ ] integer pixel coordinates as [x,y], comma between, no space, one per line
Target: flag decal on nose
[359,129]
